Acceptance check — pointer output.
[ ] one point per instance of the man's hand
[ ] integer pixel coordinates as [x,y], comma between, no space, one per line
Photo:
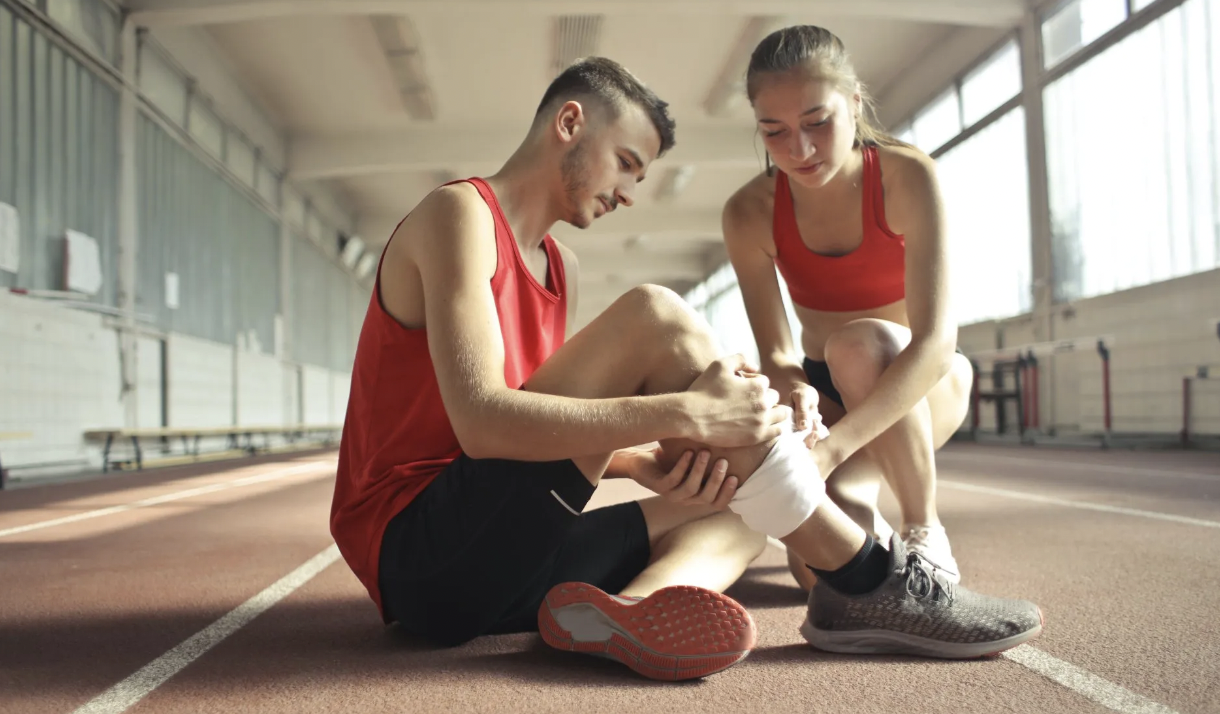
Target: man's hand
[732,405]
[689,482]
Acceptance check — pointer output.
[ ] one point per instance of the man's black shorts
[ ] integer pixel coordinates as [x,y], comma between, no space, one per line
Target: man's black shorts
[477,551]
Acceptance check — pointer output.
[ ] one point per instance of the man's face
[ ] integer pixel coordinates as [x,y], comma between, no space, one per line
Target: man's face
[605,162]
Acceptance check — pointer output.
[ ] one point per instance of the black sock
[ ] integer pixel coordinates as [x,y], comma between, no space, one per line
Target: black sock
[863,573]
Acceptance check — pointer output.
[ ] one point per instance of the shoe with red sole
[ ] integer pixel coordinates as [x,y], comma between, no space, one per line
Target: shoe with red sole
[678,632]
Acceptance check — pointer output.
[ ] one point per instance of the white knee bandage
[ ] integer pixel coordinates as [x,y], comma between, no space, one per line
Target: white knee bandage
[784,491]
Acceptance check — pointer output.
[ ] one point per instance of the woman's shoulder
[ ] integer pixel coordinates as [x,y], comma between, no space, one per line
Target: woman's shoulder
[753,202]
[901,163]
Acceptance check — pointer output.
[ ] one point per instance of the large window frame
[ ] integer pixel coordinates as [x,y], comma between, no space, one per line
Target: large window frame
[1036,76]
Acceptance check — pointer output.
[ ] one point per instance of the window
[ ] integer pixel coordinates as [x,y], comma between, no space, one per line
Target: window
[718,299]
[1133,155]
[985,184]
[240,158]
[995,81]
[268,183]
[207,128]
[938,122]
[162,84]
[1077,24]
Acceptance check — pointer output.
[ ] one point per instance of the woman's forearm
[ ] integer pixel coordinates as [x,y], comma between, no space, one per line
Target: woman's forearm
[908,379]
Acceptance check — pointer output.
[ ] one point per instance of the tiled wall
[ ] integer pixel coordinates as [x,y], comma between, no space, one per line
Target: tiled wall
[315,395]
[200,382]
[260,390]
[60,375]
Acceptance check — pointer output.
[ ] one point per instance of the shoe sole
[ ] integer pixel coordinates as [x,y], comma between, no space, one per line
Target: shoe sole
[889,642]
[679,632]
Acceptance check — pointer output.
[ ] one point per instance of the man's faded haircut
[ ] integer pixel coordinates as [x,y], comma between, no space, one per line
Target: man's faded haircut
[611,83]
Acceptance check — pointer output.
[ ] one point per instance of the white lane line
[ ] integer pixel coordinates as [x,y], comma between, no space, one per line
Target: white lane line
[126,693]
[1082,505]
[948,457]
[1085,683]
[156,500]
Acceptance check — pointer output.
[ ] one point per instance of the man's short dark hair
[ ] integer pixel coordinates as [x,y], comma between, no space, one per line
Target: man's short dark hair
[610,82]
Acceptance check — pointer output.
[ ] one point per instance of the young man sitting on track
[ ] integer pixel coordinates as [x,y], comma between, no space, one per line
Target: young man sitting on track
[476,434]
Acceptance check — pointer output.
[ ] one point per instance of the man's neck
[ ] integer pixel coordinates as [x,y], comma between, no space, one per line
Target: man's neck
[522,188]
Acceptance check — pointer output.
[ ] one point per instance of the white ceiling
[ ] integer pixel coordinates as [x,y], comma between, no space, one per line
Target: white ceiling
[316,67]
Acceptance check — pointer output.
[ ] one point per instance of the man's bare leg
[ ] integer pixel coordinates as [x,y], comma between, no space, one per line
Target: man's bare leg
[651,342]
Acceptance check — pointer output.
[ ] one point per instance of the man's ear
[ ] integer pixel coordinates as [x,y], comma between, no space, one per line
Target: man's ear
[570,121]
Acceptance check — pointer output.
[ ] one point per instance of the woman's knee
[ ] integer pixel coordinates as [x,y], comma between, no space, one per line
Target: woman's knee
[858,353]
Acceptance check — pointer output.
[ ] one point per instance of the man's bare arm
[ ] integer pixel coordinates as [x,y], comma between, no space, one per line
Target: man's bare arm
[451,243]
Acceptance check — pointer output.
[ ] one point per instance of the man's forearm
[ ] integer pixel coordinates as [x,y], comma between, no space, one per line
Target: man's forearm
[526,426]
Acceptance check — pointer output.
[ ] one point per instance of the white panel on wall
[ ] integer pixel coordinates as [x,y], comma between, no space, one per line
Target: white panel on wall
[292,394]
[340,385]
[148,366]
[260,390]
[200,382]
[10,239]
[61,377]
[83,263]
[315,395]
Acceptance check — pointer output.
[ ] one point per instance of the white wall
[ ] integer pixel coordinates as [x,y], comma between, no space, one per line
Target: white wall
[61,376]
[315,395]
[340,385]
[1160,333]
[148,365]
[200,382]
[260,390]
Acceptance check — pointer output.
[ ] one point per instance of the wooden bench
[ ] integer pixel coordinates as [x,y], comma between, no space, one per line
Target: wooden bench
[240,438]
[10,436]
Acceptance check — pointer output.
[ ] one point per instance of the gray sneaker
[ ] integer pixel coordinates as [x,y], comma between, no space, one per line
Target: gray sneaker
[917,611]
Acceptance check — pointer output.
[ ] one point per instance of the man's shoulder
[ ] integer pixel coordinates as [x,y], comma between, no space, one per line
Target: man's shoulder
[444,217]
[452,204]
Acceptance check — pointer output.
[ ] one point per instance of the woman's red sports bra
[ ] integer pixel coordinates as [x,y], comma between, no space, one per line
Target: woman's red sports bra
[871,276]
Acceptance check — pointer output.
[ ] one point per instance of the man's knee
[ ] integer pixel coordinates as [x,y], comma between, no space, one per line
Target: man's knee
[858,353]
[658,308]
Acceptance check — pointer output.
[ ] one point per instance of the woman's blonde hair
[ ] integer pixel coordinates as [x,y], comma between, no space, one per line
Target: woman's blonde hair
[819,50]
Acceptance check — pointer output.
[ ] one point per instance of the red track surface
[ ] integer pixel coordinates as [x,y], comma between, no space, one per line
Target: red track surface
[1131,599]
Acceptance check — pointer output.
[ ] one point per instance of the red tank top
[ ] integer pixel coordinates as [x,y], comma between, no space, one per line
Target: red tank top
[869,277]
[397,437]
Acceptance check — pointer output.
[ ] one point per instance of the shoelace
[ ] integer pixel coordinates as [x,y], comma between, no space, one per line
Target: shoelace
[921,582]
[918,537]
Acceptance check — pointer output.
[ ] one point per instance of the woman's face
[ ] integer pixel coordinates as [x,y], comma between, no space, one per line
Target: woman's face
[807,123]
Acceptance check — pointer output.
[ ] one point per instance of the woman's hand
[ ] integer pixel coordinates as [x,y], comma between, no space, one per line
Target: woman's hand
[805,413]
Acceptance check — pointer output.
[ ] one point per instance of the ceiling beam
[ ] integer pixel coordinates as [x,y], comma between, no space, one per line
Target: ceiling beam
[982,13]
[432,148]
